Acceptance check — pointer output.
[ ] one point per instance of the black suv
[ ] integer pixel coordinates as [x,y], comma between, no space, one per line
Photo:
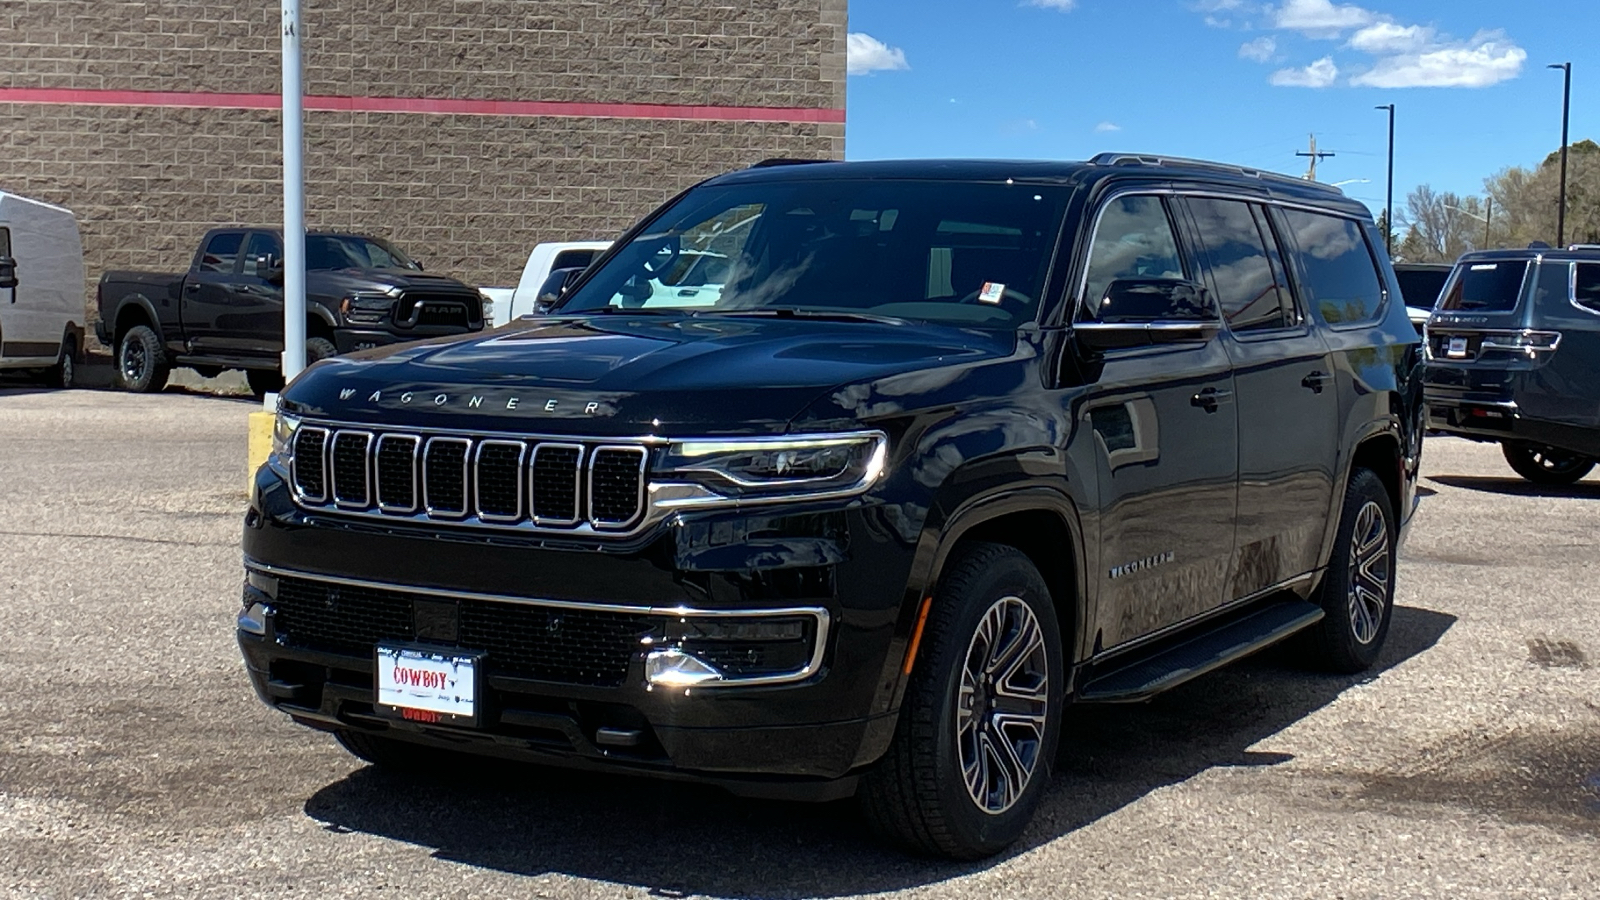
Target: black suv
[951,445]
[1514,357]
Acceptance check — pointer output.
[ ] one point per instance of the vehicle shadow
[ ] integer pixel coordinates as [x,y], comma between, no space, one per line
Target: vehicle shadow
[1518,487]
[676,840]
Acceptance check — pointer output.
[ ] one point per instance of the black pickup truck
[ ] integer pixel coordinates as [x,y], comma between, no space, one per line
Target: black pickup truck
[226,312]
[950,445]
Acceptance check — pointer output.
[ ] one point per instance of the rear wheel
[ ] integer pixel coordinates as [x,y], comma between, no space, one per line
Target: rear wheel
[1546,465]
[978,727]
[1357,592]
[64,373]
[141,362]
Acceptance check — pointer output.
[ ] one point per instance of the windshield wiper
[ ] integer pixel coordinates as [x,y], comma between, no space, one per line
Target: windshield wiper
[789,312]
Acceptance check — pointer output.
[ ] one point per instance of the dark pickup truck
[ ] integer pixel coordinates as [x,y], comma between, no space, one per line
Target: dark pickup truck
[226,312]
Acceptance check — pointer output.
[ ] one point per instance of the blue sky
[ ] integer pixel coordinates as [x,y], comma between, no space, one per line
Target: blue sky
[1233,80]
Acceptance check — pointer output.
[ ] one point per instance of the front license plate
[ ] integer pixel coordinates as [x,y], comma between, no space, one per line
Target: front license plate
[421,684]
[1457,348]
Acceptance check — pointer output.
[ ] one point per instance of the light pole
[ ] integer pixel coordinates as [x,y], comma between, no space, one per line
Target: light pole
[1566,109]
[1388,214]
[294,199]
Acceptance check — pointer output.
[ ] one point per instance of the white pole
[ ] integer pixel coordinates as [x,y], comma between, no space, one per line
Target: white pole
[294,199]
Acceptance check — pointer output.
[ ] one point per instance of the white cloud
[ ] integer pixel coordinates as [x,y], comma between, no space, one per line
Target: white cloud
[1261,49]
[1063,5]
[866,54]
[1107,127]
[1486,59]
[1319,74]
[1388,37]
[1320,18]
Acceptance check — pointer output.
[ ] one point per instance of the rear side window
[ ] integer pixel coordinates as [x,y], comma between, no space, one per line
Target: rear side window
[1337,268]
[1236,256]
[1486,287]
[1421,287]
[221,252]
[1586,286]
[573,259]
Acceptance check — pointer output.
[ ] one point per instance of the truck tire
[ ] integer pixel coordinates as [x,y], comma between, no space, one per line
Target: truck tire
[1357,593]
[266,381]
[141,362]
[318,349]
[978,727]
[1546,465]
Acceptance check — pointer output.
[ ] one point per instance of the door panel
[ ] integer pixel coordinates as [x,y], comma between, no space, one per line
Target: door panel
[255,324]
[207,300]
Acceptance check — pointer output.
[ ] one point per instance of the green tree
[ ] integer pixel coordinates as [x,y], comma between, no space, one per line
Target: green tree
[1525,200]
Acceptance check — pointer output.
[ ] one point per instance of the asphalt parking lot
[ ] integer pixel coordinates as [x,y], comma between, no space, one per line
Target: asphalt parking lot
[135,760]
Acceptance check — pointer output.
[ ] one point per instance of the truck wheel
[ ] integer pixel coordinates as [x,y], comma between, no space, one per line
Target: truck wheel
[141,363]
[1546,465]
[386,752]
[64,373]
[977,733]
[318,349]
[1357,592]
[263,381]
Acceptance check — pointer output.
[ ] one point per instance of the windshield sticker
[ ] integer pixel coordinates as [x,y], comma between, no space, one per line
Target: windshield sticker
[992,292]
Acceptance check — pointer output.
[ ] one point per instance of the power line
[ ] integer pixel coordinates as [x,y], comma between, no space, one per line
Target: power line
[1315,156]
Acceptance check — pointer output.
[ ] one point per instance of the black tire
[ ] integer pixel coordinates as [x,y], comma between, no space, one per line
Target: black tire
[63,375]
[387,752]
[917,797]
[318,349]
[1357,592]
[263,381]
[1546,465]
[141,362]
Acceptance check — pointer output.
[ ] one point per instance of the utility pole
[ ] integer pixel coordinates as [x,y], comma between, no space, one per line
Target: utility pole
[1488,217]
[1566,109]
[1311,173]
[1388,237]
[294,198]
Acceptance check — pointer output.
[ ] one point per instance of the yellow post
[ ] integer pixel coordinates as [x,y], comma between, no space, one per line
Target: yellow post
[260,445]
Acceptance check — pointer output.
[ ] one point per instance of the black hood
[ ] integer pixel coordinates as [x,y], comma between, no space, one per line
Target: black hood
[339,282]
[628,375]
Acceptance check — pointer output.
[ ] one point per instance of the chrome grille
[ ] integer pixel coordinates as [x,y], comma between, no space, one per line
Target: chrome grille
[545,484]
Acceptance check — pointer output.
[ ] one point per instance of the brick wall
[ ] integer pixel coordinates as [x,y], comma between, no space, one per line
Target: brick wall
[469,194]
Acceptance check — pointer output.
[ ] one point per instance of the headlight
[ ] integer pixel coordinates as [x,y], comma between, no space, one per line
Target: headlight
[788,466]
[366,307]
[283,428]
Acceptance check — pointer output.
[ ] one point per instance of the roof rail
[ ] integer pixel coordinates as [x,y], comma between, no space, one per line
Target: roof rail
[1583,246]
[785,161]
[1151,159]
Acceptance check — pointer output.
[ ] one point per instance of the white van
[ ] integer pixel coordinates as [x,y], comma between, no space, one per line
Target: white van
[41,289]
[544,259]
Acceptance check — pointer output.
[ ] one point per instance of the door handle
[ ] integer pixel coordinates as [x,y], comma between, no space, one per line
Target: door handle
[192,288]
[1316,381]
[240,288]
[1209,398]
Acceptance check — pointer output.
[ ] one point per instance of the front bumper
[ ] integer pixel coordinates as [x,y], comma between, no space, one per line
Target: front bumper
[803,738]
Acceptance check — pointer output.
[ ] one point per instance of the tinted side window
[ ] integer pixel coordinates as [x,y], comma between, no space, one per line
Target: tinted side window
[1586,289]
[1337,267]
[1236,256]
[572,259]
[221,252]
[261,244]
[1134,239]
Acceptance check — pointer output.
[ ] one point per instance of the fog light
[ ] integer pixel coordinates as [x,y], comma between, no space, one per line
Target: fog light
[675,668]
[254,620]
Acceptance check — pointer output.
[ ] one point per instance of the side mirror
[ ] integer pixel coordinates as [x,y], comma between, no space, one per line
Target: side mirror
[418,263]
[1136,312]
[554,288]
[8,272]
[270,266]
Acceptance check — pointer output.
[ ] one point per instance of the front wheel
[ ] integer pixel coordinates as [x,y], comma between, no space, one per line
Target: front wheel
[978,727]
[1546,465]
[1357,592]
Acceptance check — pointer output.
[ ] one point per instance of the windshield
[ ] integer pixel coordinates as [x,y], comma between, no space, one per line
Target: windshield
[330,251]
[1486,286]
[1421,287]
[967,254]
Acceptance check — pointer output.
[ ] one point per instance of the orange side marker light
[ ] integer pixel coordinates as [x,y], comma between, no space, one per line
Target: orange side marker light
[916,636]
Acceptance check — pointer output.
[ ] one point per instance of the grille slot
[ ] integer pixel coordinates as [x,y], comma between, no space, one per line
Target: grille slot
[555,478]
[309,468]
[444,476]
[568,646]
[352,481]
[499,480]
[616,486]
[396,460]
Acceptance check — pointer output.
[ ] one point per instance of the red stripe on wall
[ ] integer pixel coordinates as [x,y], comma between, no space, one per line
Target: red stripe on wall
[206,100]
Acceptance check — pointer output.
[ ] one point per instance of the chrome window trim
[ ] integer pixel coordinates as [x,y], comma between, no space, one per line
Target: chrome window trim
[330,480]
[820,615]
[1572,285]
[466,492]
[477,481]
[577,485]
[294,476]
[416,477]
[639,508]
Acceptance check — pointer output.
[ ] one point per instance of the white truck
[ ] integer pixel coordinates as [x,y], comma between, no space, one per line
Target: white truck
[41,289]
[510,303]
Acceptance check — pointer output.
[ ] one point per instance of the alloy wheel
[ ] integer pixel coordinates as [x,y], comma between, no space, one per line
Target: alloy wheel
[1369,572]
[1002,705]
[1556,462]
[133,360]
